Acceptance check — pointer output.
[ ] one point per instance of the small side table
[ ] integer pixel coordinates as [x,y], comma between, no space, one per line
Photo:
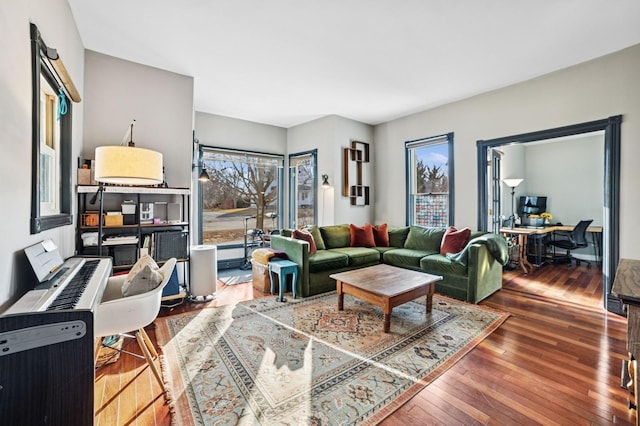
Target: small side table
[282,268]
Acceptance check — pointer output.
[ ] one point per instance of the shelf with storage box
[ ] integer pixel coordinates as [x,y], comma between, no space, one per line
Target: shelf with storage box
[134,221]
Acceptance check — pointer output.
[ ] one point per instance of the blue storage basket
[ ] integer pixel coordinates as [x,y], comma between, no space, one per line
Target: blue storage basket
[173,286]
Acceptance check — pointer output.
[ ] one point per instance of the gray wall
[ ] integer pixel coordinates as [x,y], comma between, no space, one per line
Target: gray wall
[590,91]
[226,132]
[161,102]
[58,29]
[330,135]
[571,174]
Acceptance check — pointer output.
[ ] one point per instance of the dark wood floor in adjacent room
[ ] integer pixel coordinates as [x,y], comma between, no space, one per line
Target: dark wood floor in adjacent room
[556,360]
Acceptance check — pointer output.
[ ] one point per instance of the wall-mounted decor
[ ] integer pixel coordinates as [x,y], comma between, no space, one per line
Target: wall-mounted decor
[354,157]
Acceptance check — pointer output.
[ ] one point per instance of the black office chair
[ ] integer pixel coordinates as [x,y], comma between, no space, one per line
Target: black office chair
[568,241]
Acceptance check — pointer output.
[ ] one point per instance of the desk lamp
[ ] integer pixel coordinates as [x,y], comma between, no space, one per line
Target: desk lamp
[512,183]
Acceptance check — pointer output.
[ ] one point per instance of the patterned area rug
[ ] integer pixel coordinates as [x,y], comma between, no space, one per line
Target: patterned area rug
[263,362]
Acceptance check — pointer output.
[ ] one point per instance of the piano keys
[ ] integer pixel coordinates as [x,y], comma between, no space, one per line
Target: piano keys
[47,345]
[44,295]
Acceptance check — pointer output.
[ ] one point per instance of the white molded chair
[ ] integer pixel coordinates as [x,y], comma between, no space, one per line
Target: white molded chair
[117,314]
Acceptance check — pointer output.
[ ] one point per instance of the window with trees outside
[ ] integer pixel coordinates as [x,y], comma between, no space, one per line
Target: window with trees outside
[303,195]
[430,181]
[241,195]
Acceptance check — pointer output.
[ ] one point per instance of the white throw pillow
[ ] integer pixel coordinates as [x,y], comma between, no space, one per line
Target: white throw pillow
[143,277]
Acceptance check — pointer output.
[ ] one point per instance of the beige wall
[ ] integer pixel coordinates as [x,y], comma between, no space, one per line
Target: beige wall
[58,29]
[594,90]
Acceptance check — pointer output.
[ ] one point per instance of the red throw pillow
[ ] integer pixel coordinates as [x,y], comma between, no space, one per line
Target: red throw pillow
[302,234]
[381,235]
[362,236]
[454,240]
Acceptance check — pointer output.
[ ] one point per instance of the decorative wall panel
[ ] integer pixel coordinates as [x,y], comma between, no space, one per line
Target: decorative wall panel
[354,159]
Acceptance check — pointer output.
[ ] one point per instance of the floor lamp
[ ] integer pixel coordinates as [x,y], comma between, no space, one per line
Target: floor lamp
[512,183]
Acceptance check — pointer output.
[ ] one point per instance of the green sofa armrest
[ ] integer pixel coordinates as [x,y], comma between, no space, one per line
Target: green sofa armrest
[484,272]
[297,251]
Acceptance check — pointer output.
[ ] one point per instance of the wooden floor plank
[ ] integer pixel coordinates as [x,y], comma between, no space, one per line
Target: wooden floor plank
[556,360]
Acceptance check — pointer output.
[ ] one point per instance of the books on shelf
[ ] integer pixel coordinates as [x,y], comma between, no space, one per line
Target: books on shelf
[117,240]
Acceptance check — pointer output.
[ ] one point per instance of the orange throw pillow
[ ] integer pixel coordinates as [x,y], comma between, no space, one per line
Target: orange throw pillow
[381,235]
[454,240]
[302,234]
[362,236]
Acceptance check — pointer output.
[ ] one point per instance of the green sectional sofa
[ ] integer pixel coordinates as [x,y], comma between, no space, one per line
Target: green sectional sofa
[470,275]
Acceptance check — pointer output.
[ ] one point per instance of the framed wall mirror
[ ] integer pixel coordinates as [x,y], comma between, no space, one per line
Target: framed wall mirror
[51,179]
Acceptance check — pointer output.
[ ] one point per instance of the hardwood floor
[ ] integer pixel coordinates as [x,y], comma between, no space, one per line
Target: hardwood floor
[555,361]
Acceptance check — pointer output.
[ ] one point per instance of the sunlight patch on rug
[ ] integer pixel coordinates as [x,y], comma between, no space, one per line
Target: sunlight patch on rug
[305,362]
[236,279]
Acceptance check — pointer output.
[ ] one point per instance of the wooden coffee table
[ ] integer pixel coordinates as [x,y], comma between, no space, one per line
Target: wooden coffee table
[385,286]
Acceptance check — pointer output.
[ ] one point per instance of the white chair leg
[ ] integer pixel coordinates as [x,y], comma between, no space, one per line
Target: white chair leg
[147,355]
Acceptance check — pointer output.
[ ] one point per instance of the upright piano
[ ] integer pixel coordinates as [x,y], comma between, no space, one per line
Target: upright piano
[47,347]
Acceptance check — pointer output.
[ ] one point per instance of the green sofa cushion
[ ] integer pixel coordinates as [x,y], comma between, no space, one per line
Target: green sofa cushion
[438,264]
[336,236]
[359,256]
[326,260]
[424,238]
[317,237]
[405,257]
[397,236]
[382,251]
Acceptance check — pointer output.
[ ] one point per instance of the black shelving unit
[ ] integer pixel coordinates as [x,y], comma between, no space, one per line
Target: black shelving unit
[162,240]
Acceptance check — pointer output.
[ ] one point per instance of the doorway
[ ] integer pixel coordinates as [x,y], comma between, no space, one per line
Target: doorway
[610,239]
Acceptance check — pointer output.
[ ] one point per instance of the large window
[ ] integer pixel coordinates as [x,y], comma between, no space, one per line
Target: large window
[49,149]
[303,193]
[430,181]
[241,195]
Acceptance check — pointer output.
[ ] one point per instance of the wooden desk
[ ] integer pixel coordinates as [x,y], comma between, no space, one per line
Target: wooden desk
[626,287]
[523,238]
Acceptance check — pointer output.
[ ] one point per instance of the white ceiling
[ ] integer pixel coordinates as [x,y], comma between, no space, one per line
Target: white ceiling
[285,62]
